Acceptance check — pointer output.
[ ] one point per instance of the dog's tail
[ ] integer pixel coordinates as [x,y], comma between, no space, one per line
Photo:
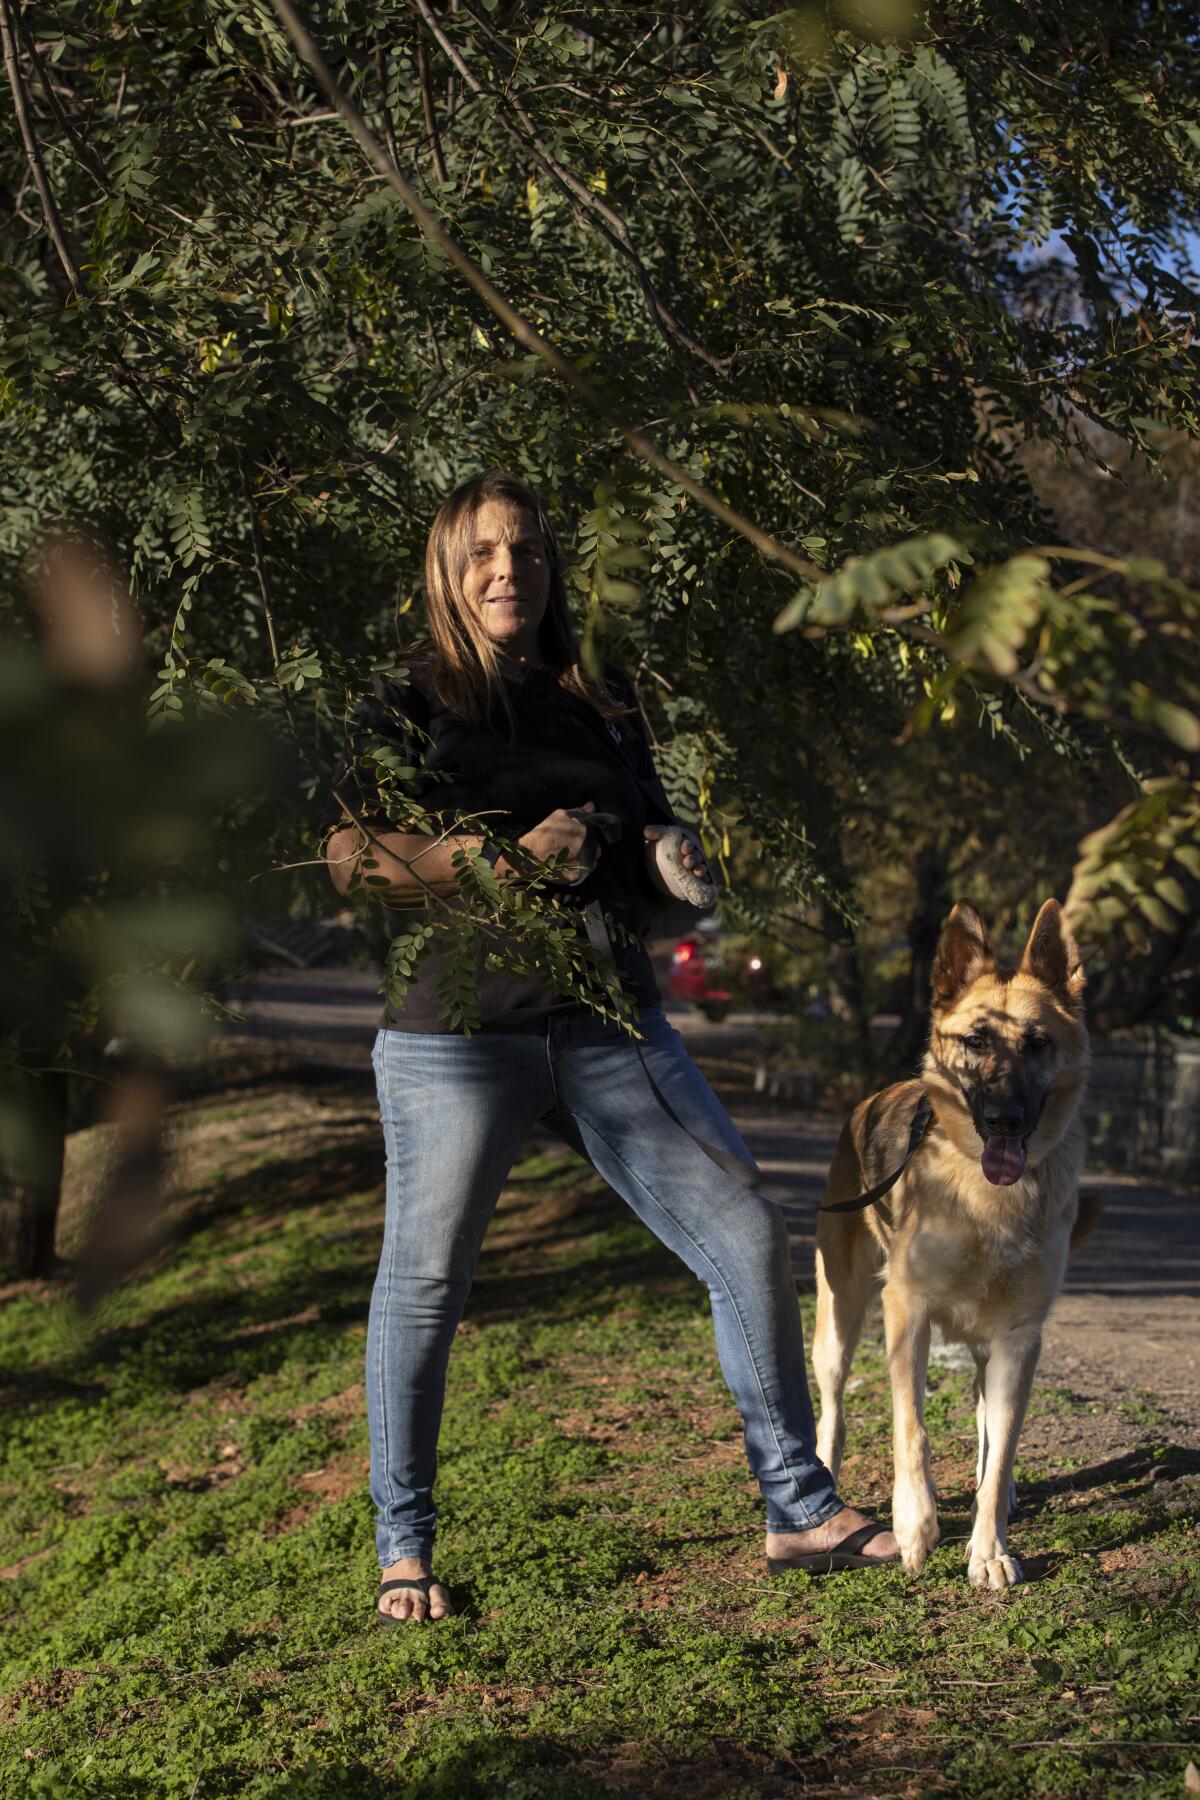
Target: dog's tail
[1091,1206]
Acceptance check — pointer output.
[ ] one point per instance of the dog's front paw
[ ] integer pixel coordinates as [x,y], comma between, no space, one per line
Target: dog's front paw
[916,1536]
[990,1566]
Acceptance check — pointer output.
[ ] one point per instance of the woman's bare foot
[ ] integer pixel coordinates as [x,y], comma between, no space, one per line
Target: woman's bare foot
[783,1545]
[409,1603]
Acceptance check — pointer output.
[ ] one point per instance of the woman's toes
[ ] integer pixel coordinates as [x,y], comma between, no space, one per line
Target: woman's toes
[414,1609]
[882,1546]
[398,1605]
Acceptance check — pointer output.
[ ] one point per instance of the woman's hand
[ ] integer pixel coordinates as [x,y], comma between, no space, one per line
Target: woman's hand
[690,855]
[566,829]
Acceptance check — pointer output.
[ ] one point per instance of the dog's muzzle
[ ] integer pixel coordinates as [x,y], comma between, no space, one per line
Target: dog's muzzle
[1006,1126]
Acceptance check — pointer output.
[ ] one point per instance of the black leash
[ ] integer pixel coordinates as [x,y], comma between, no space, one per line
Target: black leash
[921,1122]
[749,1175]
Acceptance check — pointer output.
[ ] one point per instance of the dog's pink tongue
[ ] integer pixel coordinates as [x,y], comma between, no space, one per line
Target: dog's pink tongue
[1003,1160]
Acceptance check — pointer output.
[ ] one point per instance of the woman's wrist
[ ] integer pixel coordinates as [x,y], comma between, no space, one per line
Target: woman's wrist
[510,871]
[508,862]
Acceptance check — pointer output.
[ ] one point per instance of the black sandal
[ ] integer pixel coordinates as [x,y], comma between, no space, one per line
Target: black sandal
[846,1555]
[422,1586]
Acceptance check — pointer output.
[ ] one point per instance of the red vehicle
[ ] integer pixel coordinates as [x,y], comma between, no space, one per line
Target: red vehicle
[702,973]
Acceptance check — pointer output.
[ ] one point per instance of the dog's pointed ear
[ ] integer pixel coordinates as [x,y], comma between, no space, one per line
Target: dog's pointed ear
[1052,956]
[963,952]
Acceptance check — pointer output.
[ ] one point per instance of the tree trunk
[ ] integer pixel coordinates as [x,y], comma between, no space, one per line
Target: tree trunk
[847,991]
[932,871]
[843,971]
[31,1177]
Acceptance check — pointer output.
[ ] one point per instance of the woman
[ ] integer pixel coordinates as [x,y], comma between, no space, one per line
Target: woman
[503,721]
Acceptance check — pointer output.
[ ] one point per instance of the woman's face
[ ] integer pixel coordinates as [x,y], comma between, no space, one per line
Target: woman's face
[506,578]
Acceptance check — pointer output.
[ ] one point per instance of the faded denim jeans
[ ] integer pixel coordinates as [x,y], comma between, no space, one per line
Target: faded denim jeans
[455,1111]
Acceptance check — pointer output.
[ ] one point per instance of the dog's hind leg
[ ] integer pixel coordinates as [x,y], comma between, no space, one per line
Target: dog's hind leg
[1087,1217]
[980,1354]
[846,1266]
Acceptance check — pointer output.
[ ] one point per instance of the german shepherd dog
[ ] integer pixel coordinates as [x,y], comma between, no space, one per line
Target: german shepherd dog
[974,1236]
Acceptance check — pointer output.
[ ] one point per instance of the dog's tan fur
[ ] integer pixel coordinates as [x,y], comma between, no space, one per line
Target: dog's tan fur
[982,1262]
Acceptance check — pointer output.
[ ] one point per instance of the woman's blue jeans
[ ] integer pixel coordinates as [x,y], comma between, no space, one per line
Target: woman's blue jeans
[455,1111]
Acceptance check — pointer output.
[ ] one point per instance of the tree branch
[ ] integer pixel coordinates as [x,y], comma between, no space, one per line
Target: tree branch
[610,224]
[389,131]
[260,570]
[429,110]
[10,25]
[86,159]
[514,322]
[37,167]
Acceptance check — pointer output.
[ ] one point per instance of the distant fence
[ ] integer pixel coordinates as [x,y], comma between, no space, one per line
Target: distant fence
[1143,1107]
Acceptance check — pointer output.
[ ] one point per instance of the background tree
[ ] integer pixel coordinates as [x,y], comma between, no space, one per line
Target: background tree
[118,908]
[800,250]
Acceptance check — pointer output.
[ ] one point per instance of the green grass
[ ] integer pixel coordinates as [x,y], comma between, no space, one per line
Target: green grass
[190,1568]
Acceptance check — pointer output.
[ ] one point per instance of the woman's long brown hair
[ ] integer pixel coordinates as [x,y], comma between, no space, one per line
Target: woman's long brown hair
[466,671]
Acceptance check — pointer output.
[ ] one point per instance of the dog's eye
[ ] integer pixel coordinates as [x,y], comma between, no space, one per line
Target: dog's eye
[975,1040]
[1036,1040]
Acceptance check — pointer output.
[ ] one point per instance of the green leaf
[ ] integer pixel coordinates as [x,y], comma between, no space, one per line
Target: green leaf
[1156,912]
[998,613]
[1181,726]
[1171,891]
[873,582]
[486,877]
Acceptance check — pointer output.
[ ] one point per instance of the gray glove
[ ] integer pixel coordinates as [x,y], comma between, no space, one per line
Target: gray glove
[682,883]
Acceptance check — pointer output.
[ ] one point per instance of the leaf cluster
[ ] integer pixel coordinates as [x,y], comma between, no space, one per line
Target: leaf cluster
[842,271]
